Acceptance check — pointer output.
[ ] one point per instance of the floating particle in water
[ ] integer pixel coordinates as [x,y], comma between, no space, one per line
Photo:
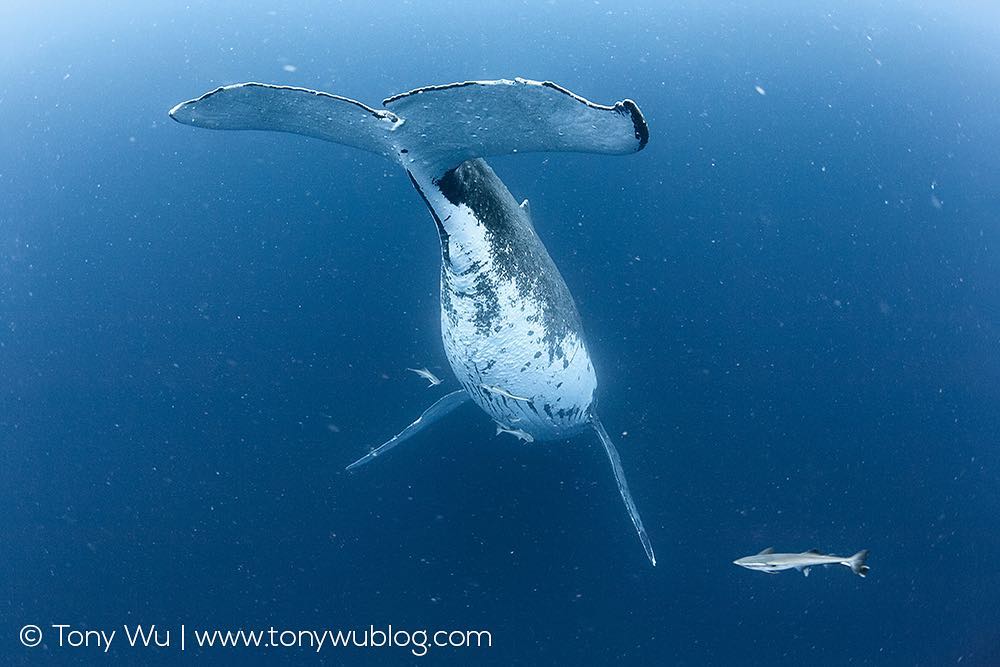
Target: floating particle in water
[290,68]
[760,91]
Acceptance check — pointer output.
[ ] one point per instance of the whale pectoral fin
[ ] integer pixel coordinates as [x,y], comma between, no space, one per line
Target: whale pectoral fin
[444,406]
[616,466]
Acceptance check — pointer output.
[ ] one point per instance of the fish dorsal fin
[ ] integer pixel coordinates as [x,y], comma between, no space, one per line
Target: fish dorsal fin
[815,552]
[769,550]
[525,207]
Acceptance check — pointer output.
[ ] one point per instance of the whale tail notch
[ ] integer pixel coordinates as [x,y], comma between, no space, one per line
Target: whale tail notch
[434,128]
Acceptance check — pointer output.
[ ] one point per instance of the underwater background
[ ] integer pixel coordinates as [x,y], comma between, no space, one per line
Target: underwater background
[791,297]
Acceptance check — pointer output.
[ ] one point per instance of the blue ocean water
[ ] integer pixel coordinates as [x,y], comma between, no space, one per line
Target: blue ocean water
[790,296]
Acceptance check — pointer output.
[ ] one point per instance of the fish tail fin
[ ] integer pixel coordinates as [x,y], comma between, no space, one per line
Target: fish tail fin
[857,563]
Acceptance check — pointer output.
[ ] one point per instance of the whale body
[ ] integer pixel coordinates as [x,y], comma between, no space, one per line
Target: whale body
[510,328]
[507,318]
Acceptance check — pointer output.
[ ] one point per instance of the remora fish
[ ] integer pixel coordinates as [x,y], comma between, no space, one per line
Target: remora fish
[772,563]
[516,432]
[427,375]
[499,391]
[507,316]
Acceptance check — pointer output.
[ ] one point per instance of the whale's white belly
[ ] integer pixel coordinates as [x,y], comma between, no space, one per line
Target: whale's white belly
[510,351]
[509,325]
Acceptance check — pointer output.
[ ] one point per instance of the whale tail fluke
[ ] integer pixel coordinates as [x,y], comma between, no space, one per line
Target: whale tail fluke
[434,128]
[472,119]
[265,106]
[616,466]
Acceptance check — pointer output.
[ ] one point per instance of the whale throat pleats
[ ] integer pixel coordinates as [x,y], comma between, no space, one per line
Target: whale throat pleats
[430,129]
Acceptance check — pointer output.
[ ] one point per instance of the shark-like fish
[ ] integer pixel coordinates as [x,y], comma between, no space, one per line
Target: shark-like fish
[427,375]
[772,563]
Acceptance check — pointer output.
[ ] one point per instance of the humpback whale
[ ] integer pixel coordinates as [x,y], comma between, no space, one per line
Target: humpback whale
[510,328]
